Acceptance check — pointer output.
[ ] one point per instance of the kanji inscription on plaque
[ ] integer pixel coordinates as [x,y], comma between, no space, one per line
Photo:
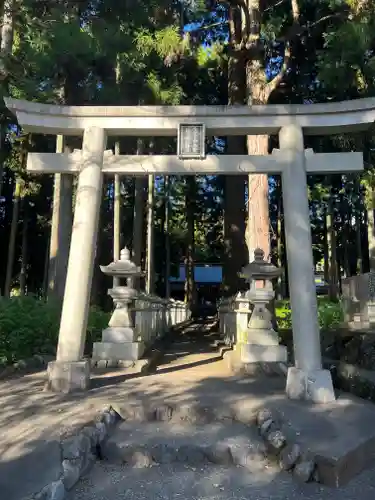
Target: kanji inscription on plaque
[191,140]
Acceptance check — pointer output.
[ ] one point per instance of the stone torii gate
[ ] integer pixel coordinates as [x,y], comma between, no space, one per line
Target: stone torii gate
[306,379]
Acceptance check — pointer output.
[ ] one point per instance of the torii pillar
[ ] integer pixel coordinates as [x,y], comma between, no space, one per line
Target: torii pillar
[70,371]
[307,379]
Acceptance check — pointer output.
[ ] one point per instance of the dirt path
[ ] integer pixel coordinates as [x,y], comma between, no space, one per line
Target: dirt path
[32,420]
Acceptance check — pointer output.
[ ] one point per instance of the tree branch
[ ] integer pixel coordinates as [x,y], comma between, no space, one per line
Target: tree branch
[208,26]
[275,82]
[297,30]
[241,4]
[280,2]
[232,28]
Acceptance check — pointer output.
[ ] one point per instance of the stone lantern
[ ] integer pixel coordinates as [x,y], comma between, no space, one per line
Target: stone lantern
[119,340]
[261,343]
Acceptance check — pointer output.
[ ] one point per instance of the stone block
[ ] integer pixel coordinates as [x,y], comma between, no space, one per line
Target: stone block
[163,453]
[276,441]
[119,334]
[304,471]
[259,336]
[131,351]
[289,456]
[68,376]
[263,415]
[314,386]
[190,454]
[53,491]
[219,453]
[267,427]
[252,353]
[75,447]
[72,472]
[251,458]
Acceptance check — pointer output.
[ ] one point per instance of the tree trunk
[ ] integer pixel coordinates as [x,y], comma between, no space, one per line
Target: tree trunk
[247,82]
[116,216]
[190,198]
[371,230]
[117,187]
[258,92]
[70,93]
[167,238]
[12,238]
[6,46]
[279,231]
[61,229]
[346,242]
[103,252]
[236,255]
[150,283]
[139,218]
[46,267]
[7,31]
[325,249]
[24,250]
[258,230]
[331,242]
[358,230]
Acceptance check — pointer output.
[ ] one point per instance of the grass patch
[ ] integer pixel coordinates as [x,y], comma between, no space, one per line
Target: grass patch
[330,314]
[29,325]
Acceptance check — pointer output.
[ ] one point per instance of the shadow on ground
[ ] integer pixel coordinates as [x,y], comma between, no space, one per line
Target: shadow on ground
[31,420]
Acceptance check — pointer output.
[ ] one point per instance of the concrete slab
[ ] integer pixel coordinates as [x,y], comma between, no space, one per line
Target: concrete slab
[340,435]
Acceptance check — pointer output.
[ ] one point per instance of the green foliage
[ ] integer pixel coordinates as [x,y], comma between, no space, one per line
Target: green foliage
[161,93]
[138,52]
[283,314]
[346,61]
[30,326]
[165,42]
[330,314]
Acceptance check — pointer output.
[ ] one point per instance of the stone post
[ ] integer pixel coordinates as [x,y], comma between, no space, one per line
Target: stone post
[307,380]
[70,372]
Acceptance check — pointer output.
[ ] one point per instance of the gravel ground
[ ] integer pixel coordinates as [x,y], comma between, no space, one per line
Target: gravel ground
[178,482]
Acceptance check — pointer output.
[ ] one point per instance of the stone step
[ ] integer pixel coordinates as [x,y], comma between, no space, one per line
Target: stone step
[145,444]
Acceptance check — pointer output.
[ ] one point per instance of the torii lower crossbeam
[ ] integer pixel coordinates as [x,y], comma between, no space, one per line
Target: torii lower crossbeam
[320,163]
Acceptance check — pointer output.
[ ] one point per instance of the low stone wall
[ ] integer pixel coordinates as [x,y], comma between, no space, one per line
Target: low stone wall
[234,315]
[152,318]
[28,365]
[78,454]
[155,316]
[358,300]
[353,379]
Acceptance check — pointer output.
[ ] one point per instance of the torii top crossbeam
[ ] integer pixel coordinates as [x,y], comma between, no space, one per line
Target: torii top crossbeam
[314,119]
